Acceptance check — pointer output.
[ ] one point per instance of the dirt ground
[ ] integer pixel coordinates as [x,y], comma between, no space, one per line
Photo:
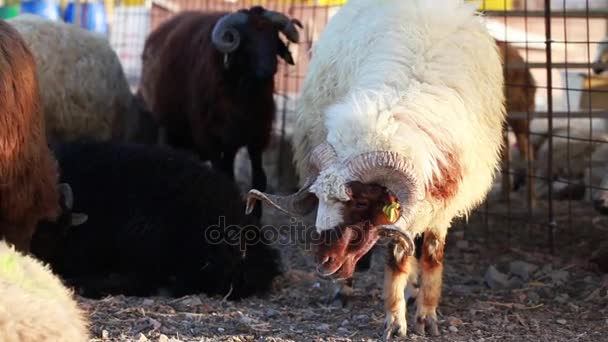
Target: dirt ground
[526,296]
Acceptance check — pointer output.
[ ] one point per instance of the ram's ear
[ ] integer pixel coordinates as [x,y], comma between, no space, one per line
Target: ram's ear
[78,218]
[283,52]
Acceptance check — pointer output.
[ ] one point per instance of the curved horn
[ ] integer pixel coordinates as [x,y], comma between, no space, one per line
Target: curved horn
[393,171]
[68,196]
[301,203]
[285,25]
[322,157]
[224,36]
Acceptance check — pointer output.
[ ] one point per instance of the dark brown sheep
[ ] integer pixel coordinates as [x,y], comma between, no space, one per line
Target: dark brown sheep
[208,79]
[28,172]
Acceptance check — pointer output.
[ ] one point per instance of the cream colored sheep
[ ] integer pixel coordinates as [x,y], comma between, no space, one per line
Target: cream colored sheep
[34,304]
[82,83]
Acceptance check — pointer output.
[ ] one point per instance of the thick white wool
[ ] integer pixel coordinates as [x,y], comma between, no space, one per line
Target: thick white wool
[34,305]
[82,83]
[420,77]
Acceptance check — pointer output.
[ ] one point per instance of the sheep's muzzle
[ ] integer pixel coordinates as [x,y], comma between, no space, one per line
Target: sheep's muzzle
[338,250]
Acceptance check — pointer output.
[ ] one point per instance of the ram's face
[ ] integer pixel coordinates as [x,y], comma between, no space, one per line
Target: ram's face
[349,229]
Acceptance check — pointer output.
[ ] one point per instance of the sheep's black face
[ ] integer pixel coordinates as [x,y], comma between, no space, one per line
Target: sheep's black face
[341,248]
[260,47]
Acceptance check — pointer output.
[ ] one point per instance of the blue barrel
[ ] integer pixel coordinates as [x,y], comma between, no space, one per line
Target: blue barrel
[92,16]
[45,8]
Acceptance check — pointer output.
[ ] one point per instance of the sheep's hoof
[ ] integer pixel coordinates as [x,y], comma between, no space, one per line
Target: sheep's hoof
[429,322]
[393,326]
[339,300]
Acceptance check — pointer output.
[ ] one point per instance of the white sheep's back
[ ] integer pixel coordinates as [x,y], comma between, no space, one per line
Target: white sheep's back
[34,304]
[422,77]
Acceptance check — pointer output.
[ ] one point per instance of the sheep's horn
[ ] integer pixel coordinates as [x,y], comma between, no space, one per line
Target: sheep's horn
[303,201]
[224,36]
[398,231]
[68,196]
[286,25]
[300,203]
[393,171]
[322,156]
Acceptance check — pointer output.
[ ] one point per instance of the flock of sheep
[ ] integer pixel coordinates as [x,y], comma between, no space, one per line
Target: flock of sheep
[110,188]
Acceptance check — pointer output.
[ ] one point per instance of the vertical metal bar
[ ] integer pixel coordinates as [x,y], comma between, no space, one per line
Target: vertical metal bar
[552,224]
[568,108]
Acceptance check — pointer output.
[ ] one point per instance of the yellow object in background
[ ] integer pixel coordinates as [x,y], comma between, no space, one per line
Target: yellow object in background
[494,5]
[133,2]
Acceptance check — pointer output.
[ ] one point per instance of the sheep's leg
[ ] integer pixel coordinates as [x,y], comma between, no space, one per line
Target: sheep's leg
[341,293]
[527,152]
[395,280]
[258,177]
[430,289]
[505,185]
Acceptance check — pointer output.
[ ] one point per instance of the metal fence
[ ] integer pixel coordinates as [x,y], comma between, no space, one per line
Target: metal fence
[557,109]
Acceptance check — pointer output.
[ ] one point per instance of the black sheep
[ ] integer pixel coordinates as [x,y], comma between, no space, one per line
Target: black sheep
[208,80]
[151,214]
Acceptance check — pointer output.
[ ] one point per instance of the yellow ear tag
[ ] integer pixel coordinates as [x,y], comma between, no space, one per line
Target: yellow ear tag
[390,211]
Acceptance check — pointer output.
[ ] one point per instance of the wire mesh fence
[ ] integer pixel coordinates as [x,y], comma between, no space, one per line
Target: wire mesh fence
[556,134]
[549,192]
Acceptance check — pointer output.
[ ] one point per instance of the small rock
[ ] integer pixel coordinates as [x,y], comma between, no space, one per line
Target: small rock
[147,302]
[271,313]
[559,276]
[481,340]
[453,329]
[163,338]
[220,329]
[454,322]
[463,290]
[522,269]
[323,327]
[141,338]
[191,301]
[344,322]
[561,321]
[495,279]
[343,331]
[105,334]
[562,298]
[361,318]
[533,297]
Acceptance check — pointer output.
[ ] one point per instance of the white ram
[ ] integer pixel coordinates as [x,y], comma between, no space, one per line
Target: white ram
[405,95]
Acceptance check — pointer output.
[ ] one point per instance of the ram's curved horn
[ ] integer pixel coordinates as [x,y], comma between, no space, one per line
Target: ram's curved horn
[395,172]
[285,25]
[322,157]
[399,232]
[65,191]
[302,202]
[224,36]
